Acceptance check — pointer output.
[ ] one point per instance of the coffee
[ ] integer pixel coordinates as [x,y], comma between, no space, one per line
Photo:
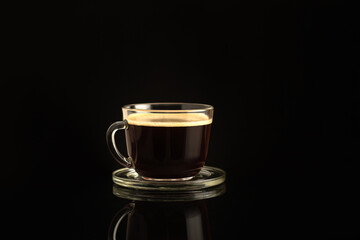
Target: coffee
[168,145]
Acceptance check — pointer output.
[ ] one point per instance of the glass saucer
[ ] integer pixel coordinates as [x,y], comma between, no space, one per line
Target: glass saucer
[168,196]
[207,177]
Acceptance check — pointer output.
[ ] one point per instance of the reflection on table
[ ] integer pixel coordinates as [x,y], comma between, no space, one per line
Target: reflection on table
[163,215]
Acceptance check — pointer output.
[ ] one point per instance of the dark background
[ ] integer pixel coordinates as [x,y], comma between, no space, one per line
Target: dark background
[283,77]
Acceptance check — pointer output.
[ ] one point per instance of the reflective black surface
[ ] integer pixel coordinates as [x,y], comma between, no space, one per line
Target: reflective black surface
[251,207]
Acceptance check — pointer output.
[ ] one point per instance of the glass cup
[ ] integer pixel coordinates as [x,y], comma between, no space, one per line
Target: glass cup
[165,141]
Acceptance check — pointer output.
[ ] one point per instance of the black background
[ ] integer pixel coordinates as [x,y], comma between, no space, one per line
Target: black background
[283,77]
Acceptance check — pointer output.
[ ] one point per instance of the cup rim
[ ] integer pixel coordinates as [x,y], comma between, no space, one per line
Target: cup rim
[142,107]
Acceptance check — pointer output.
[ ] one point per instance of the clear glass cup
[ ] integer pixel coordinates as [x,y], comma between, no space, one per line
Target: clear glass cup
[165,141]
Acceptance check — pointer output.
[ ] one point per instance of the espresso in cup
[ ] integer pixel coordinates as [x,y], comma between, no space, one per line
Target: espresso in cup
[167,145]
[165,141]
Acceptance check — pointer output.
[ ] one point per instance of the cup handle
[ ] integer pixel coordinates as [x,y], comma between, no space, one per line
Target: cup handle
[123,212]
[110,139]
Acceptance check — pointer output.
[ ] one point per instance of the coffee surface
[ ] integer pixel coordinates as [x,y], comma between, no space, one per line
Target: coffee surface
[169,119]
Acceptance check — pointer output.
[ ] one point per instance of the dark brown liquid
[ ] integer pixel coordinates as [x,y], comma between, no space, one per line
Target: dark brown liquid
[168,152]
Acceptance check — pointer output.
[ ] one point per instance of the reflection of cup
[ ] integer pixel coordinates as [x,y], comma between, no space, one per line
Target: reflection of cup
[163,215]
[165,141]
[163,220]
